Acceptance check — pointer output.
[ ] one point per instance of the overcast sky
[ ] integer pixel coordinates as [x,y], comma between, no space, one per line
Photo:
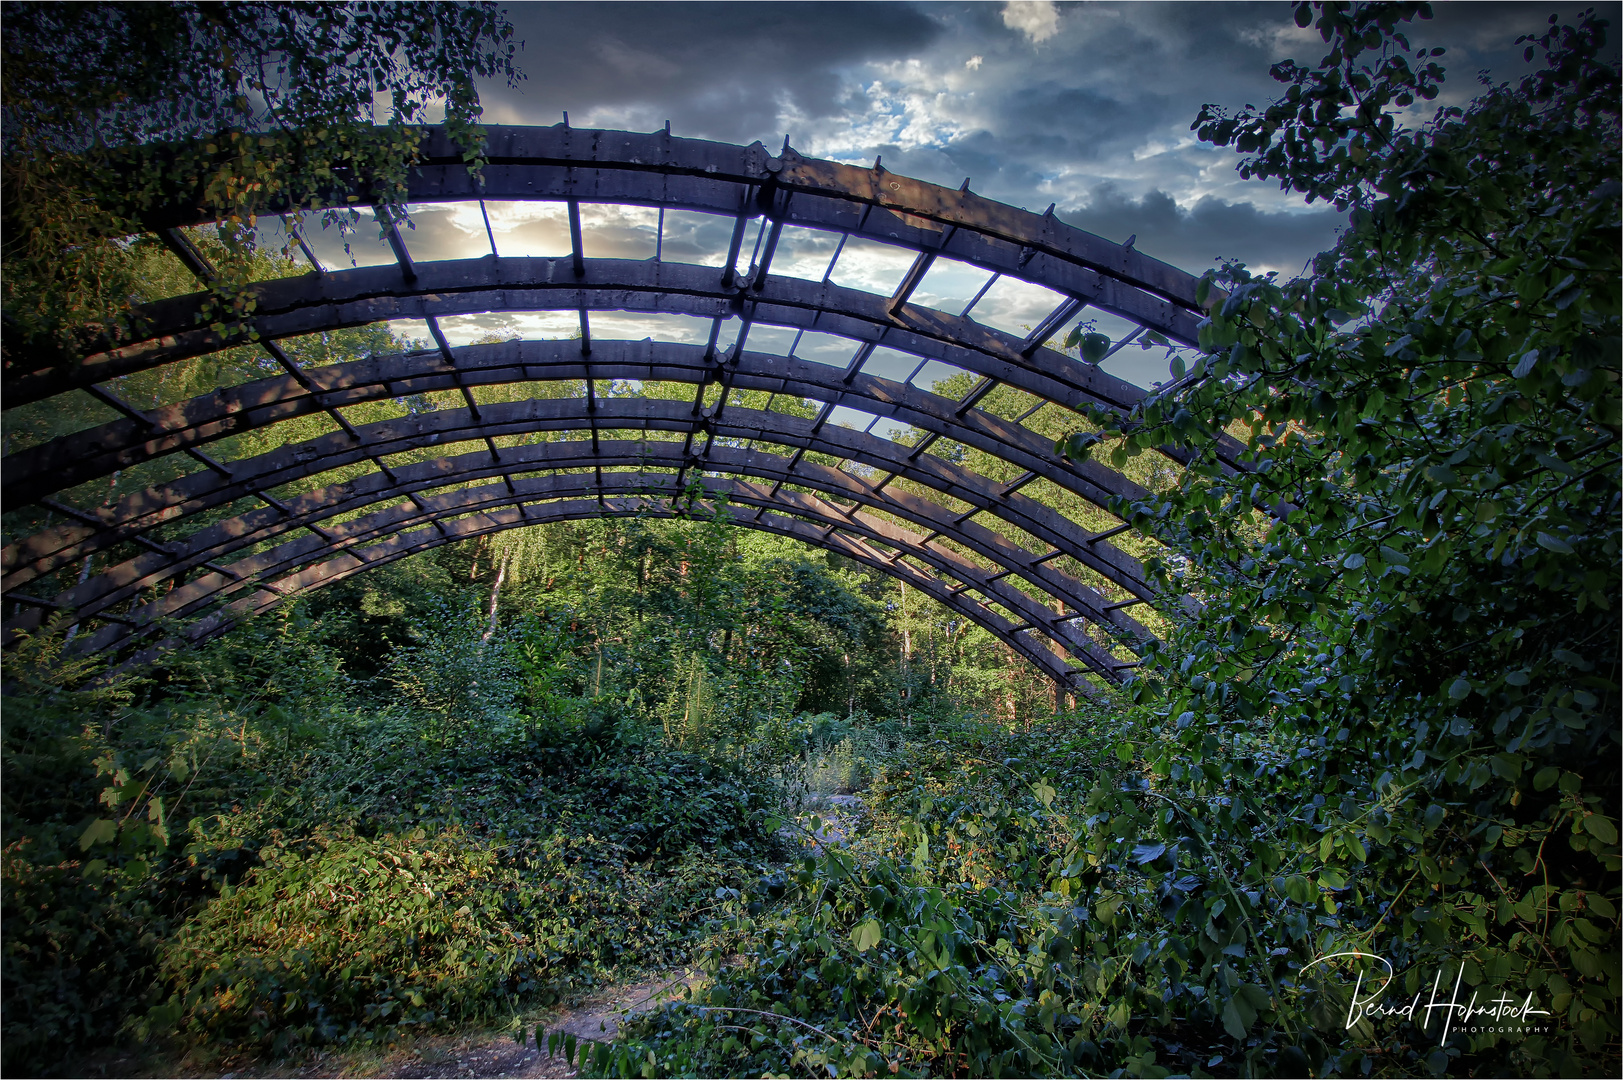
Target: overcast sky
[1087,106]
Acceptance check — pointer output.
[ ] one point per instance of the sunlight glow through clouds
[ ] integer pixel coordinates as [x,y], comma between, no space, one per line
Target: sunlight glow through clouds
[1087,106]
[1037,19]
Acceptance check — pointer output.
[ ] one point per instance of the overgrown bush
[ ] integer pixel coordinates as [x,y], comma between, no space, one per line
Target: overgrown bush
[78,956]
[262,855]
[538,857]
[936,944]
[1085,898]
[338,936]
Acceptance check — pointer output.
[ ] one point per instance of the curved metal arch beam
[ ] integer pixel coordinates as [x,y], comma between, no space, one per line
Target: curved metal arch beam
[125,582]
[255,571]
[562,163]
[69,460]
[312,303]
[200,491]
[401,545]
[95,597]
[206,547]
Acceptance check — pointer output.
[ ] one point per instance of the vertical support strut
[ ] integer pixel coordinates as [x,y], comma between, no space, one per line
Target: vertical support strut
[737,241]
[397,243]
[297,232]
[489,232]
[577,254]
[1050,325]
[964,314]
[456,375]
[758,273]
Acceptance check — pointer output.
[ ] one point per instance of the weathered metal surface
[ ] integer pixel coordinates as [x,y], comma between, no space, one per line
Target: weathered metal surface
[572,166]
[469,528]
[655,169]
[403,544]
[207,547]
[200,491]
[258,571]
[313,303]
[73,459]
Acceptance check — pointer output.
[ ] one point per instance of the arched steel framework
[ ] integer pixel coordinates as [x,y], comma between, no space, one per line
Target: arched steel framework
[656,470]
[755,460]
[309,562]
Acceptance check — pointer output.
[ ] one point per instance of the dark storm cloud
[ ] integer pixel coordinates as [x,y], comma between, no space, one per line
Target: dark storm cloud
[1086,106]
[1210,231]
[718,70]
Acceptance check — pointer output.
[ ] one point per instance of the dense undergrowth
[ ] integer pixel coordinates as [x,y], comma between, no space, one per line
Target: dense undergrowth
[1059,902]
[1361,817]
[1366,784]
[459,789]
[398,807]
[323,870]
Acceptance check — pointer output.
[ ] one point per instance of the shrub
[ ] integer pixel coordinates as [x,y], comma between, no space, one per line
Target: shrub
[77,957]
[339,938]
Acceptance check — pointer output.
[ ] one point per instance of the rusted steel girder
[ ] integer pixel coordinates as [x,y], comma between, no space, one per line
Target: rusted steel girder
[72,459]
[203,491]
[572,167]
[560,163]
[402,545]
[268,570]
[208,547]
[196,492]
[287,307]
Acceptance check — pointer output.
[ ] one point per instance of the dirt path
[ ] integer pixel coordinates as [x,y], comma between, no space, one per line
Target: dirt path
[476,1054]
[597,1019]
[489,1055]
[483,1054]
[838,822]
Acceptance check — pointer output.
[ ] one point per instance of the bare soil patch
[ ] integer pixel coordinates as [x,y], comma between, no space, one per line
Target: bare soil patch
[468,1054]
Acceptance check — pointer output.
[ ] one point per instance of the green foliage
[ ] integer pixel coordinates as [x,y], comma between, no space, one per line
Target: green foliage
[187,861]
[240,109]
[948,940]
[348,934]
[1411,587]
[242,857]
[1389,727]
[456,677]
[77,956]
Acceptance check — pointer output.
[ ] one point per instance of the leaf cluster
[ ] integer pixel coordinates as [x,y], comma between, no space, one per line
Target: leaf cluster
[1408,568]
[121,114]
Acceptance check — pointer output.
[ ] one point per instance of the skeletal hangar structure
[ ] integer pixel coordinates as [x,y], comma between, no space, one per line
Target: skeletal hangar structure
[628,455]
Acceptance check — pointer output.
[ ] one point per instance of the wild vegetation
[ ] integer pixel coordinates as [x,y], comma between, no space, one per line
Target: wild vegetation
[468,784]
[447,792]
[117,111]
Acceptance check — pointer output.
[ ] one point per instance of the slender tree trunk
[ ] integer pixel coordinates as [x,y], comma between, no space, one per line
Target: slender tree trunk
[495,594]
[84,575]
[907,635]
[1063,699]
[1010,674]
[84,571]
[929,629]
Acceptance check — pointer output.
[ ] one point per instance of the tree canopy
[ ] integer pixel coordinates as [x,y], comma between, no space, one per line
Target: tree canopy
[1415,584]
[112,110]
